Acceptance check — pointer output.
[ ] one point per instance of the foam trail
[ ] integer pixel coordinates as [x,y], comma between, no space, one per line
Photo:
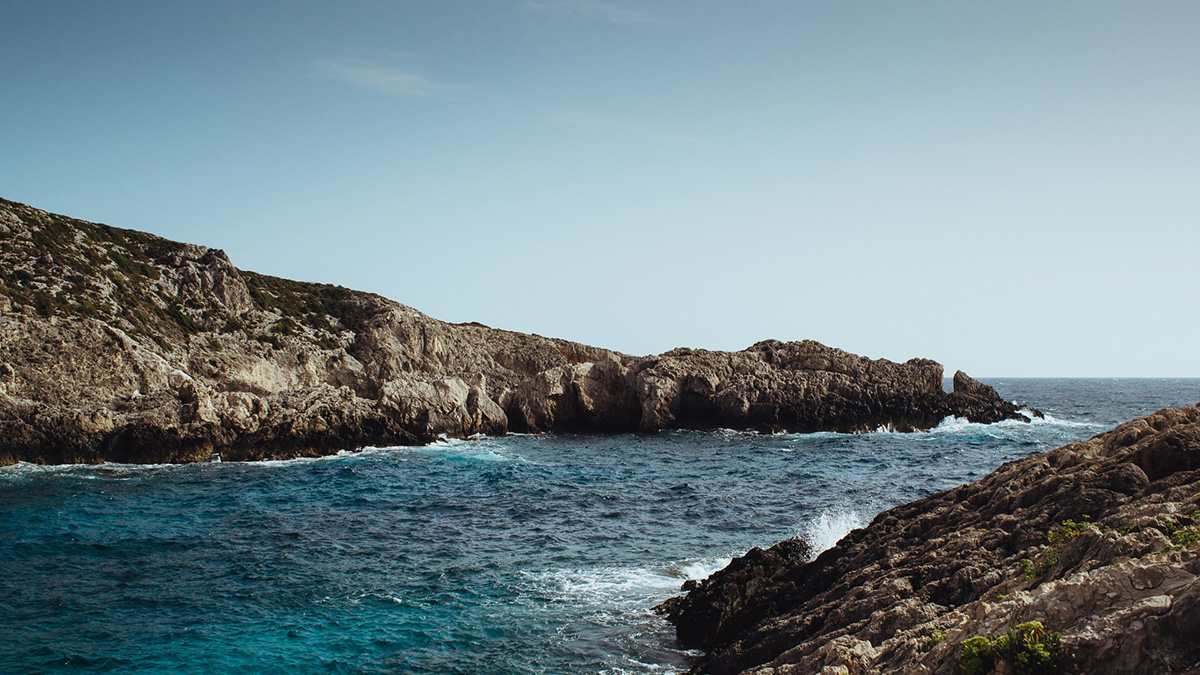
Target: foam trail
[824,532]
[620,586]
[954,425]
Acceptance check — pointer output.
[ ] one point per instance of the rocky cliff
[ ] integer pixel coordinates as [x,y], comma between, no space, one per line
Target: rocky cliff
[120,345]
[1085,559]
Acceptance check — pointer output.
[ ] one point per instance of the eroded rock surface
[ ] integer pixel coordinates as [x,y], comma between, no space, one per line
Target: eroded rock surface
[1099,541]
[120,345]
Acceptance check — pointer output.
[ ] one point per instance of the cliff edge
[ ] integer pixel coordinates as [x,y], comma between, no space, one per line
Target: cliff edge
[117,345]
[1085,559]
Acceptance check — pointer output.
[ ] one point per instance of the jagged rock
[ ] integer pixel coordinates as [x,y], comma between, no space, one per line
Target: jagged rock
[1097,540]
[736,597]
[970,387]
[122,345]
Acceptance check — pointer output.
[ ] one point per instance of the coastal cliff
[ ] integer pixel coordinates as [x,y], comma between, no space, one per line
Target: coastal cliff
[1085,559]
[117,345]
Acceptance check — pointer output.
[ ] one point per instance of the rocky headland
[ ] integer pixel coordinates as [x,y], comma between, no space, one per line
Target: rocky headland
[117,345]
[1085,559]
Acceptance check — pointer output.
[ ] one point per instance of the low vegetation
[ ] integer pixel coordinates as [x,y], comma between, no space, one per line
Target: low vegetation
[1182,536]
[58,266]
[312,304]
[1027,649]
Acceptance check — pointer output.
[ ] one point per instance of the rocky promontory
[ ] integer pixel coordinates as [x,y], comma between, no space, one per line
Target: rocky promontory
[117,345]
[1085,559]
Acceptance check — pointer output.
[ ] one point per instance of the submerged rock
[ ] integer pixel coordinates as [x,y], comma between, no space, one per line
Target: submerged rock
[120,345]
[1097,541]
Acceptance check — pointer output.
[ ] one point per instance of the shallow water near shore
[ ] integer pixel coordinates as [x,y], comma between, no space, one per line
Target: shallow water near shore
[522,554]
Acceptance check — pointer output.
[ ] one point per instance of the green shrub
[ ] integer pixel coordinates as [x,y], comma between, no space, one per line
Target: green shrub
[937,638]
[1028,570]
[1049,559]
[975,655]
[1185,536]
[1068,531]
[1032,570]
[1028,649]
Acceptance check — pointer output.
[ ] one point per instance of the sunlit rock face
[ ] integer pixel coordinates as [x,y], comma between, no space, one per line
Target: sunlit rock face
[120,345]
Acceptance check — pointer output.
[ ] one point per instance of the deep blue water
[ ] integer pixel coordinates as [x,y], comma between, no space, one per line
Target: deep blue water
[523,554]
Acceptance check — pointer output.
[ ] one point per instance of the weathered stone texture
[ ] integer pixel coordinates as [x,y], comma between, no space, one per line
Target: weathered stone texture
[117,344]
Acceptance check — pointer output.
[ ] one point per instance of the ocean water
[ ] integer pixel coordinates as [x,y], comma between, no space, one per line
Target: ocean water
[522,554]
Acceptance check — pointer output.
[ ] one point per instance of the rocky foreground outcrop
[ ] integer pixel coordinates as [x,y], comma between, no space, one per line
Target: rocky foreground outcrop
[120,345]
[1097,542]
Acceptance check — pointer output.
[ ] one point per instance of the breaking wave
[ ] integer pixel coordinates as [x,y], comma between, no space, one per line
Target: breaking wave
[826,530]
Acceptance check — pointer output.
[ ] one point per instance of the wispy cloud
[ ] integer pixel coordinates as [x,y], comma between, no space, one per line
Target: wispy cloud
[384,78]
[593,9]
[621,124]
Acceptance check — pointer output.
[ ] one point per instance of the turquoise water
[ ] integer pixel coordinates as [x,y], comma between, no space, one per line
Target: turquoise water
[522,554]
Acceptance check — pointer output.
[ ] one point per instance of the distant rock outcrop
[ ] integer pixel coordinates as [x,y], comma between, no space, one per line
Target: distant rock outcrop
[120,345]
[1097,542]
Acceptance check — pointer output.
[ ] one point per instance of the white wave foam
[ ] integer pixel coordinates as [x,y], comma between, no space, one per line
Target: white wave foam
[639,667]
[490,455]
[703,569]
[110,470]
[952,424]
[340,454]
[612,581]
[479,449]
[1051,420]
[443,439]
[617,585]
[472,450]
[949,425]
[827,529]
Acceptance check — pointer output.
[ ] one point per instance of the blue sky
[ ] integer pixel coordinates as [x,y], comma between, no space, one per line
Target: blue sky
[1008,188]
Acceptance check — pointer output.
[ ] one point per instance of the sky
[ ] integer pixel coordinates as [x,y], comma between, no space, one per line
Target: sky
[1010,188]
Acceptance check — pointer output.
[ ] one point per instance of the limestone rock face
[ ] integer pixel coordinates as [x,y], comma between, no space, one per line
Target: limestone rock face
[1099,541]
[119,345]
[596,395]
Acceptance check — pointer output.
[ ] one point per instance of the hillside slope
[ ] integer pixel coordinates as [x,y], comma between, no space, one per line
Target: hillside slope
[120,345]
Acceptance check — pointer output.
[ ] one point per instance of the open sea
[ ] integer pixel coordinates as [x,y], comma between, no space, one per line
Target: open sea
[513,555]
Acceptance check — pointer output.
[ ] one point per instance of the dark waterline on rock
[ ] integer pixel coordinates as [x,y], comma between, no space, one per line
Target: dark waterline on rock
[521,554]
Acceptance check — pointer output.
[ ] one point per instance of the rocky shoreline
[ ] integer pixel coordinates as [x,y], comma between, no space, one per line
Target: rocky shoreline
[1085,559]
[117,345]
